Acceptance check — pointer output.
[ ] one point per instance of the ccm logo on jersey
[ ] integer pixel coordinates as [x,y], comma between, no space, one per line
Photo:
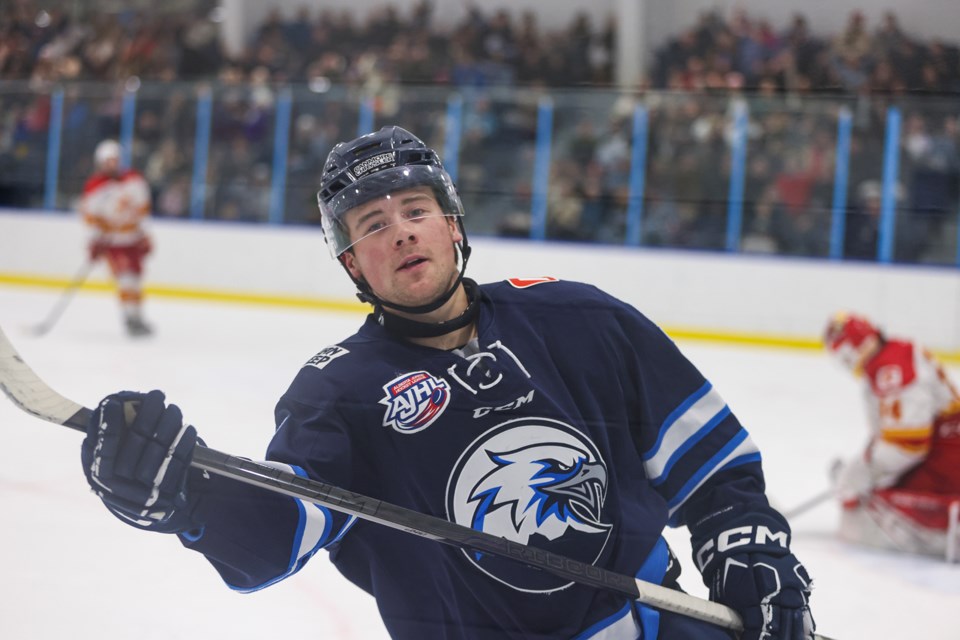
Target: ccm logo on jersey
[414,401]
[519,402]
[326,356]
[526,283]
[738,537]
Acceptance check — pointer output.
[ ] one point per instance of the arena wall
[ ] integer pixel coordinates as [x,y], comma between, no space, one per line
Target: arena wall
[752,299]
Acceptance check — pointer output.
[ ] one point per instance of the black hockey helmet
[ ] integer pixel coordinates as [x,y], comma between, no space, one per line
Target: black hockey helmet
[372,166]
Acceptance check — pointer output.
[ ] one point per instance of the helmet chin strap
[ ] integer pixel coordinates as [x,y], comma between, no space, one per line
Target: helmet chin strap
[424,308]
[409,328]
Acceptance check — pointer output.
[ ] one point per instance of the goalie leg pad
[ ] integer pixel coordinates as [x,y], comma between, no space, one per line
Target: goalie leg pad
[905,521]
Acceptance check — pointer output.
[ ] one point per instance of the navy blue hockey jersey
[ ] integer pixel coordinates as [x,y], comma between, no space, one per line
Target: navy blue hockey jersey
[576,426]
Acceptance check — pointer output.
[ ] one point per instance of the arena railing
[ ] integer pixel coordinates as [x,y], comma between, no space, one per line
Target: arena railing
[833,177]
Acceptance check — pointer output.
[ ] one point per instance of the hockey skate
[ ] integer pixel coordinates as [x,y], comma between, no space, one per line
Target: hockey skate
[137,328]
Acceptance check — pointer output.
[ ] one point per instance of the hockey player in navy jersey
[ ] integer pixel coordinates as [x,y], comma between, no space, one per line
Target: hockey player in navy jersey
[545,412]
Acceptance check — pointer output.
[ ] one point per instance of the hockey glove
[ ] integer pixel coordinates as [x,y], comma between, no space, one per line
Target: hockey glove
[745,561]
[852,480]
[136,458]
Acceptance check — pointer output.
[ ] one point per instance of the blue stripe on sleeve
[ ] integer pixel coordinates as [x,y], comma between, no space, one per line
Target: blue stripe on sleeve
[686,426]
[676,413]
[313,533]
[688,444]
[738,451]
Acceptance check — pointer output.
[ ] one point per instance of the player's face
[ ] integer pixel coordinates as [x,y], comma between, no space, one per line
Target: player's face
[403,246]
[110,166]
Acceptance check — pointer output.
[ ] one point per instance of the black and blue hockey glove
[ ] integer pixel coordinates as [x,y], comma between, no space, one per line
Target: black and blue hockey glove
[136,458]
[746,562]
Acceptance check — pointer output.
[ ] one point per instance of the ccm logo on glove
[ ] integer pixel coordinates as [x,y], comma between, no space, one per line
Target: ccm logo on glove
[759,535]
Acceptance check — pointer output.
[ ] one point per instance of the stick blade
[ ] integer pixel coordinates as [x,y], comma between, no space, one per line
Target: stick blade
[25,388]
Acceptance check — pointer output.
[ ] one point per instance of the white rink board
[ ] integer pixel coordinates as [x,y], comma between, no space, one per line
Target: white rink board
[710,292]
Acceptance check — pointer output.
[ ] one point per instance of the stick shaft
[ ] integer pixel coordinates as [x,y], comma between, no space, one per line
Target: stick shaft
[64,299]
[809,503]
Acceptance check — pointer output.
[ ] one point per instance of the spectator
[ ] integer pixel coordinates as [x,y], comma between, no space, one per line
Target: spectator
[933,162]
[863,223]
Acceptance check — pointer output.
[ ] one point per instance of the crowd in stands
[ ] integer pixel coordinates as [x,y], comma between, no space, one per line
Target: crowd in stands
[793,80]
[723,54]
[382,46]
[790,172]
[719,53]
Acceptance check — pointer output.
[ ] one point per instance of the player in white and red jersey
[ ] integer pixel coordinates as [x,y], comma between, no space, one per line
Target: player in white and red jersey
[115,203]
[897,493]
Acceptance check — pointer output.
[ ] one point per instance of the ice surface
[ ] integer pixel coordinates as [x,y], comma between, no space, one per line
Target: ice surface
[73,571]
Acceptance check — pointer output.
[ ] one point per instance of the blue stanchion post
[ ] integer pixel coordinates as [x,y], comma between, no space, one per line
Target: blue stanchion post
[453,129]
[638,176]
[128,119]
[281,145]
[365,119]
[541,170]
[841,172]
[888,201]
[201,153]
[738,163]
[54,143]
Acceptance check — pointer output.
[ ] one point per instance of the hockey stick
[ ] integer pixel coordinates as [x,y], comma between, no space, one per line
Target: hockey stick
[44,327]
[19,382]
[810,503]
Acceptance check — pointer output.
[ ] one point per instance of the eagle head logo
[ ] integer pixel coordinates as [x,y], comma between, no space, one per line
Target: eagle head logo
[541,488]
[532,481]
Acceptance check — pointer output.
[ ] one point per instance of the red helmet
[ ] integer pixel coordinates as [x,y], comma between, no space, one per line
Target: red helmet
[851,338]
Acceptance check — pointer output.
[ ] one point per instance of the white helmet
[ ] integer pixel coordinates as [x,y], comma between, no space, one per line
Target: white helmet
[106,150]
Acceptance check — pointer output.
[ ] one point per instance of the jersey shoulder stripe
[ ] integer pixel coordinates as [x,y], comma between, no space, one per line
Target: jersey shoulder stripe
[525,283]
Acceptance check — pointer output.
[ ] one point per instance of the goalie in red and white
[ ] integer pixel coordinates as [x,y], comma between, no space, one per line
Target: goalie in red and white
[115,204]
[903,491]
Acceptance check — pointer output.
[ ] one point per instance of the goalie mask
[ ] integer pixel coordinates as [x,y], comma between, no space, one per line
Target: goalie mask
[852,339]
[374,166]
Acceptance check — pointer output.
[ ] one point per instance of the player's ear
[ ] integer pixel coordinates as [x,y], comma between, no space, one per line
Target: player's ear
[350,264]
[455,234]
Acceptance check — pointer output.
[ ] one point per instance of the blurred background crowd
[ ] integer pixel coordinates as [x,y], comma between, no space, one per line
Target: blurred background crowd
[403,67]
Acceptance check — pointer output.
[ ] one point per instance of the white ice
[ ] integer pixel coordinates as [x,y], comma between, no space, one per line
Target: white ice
[70,570]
